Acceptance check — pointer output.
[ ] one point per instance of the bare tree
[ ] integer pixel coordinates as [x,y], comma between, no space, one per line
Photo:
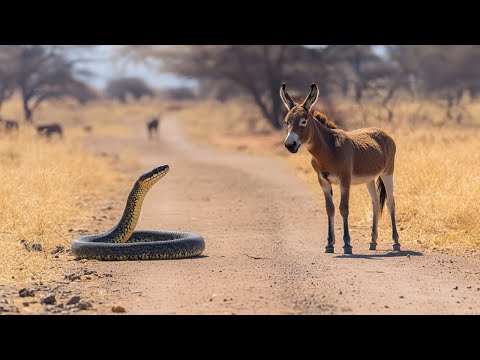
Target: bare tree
[43,74]
[258,70]
[120,88]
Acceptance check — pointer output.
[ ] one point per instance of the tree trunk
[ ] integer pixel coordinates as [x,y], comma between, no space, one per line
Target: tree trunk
[449,107]
[27,112]
[277,104]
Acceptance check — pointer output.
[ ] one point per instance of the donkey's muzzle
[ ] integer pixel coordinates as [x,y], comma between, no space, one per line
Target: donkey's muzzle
[293,147]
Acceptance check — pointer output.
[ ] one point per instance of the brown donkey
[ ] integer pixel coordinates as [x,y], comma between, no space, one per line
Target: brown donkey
[344,158]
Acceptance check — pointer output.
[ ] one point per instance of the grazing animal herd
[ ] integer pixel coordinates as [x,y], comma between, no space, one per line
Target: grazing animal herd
[52,129]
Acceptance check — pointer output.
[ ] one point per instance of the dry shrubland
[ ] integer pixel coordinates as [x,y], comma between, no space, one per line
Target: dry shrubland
[437,175]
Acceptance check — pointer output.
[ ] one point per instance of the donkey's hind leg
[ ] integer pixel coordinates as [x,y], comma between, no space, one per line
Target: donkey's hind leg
[376,211]
[388,182]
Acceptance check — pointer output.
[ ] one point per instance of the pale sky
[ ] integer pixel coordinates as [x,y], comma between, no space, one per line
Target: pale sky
[105,68]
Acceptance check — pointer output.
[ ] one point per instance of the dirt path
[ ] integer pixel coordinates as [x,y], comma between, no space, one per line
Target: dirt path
[265,236]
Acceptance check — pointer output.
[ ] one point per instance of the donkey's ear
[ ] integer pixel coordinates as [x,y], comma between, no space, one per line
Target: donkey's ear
[287,100]
[311,98]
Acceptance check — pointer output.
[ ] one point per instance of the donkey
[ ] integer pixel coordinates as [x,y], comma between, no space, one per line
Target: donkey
[344,158]
[50,129]
[152,127]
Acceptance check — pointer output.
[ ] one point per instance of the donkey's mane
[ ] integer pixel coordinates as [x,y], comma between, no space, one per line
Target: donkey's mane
[324,119]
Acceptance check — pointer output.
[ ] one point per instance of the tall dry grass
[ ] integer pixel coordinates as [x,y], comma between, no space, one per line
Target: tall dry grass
[46,189]
[437,174]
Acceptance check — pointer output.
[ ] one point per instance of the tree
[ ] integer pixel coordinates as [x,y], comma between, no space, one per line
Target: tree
[257,70]
[44,73]
[120,88]
[7,73]
[444,72]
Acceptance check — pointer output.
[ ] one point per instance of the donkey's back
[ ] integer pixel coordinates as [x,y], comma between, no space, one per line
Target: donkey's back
[373,150]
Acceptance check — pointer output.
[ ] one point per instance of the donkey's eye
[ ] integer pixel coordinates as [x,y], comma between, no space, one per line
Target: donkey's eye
[303,123]
[286,122]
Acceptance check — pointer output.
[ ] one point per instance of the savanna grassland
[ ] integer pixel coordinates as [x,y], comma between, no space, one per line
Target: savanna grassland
[437,170]
[51,190]
[54,190]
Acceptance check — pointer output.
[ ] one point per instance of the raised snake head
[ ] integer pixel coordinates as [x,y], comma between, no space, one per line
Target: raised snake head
[147,180]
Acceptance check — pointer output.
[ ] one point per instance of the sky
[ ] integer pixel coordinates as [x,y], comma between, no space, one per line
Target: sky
[105,68]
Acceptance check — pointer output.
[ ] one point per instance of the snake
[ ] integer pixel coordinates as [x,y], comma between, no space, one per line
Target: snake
[122,242]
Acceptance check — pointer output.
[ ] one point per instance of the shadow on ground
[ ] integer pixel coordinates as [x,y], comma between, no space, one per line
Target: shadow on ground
[381,255]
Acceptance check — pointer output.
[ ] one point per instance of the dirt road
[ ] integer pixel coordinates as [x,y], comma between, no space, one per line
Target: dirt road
[265,234]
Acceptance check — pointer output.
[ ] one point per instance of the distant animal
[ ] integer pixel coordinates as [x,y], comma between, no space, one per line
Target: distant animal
[9,125]
[152,127]
[344,158]
[50,129]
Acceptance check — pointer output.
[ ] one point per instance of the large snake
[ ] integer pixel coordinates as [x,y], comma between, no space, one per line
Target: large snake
[122,242]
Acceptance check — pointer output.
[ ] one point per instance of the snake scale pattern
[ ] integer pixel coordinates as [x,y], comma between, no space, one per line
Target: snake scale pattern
[122,242]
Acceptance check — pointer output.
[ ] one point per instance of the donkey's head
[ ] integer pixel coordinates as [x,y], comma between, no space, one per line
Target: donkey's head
[297,118]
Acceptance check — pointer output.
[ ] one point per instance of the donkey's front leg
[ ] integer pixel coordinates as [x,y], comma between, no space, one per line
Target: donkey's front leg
[344,198]
[330,207]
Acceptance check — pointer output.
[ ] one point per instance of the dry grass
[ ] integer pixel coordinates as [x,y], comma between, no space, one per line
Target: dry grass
[45,188]
[53,191]
[437,176]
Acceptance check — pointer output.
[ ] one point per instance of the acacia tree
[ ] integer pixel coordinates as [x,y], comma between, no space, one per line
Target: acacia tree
[256,70]
[43,73]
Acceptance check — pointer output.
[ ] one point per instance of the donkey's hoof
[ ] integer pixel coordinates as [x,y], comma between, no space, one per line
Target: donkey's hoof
[347,250]
[373,246]
[396,247]
[329,249]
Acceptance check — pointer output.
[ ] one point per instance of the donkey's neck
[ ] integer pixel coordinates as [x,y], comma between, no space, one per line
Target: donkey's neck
[319,139]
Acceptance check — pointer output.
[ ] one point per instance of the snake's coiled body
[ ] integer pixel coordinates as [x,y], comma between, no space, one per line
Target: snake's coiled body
[122,242]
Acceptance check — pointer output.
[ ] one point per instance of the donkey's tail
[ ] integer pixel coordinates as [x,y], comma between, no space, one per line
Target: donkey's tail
[382,193]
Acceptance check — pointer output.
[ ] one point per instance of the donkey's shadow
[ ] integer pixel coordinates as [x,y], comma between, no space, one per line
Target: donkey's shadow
[380,255]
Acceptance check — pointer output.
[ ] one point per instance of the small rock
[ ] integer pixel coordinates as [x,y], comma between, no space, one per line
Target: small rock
[118,309]
[72,277]
[89,272]
[58,249]
[26,304]
[84,305]
[408,256]
[37,247]
[73,300]
[451,261]
[340,293]
[26,292]
[49,299]
[402,297]
[455,288]
[387,307]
